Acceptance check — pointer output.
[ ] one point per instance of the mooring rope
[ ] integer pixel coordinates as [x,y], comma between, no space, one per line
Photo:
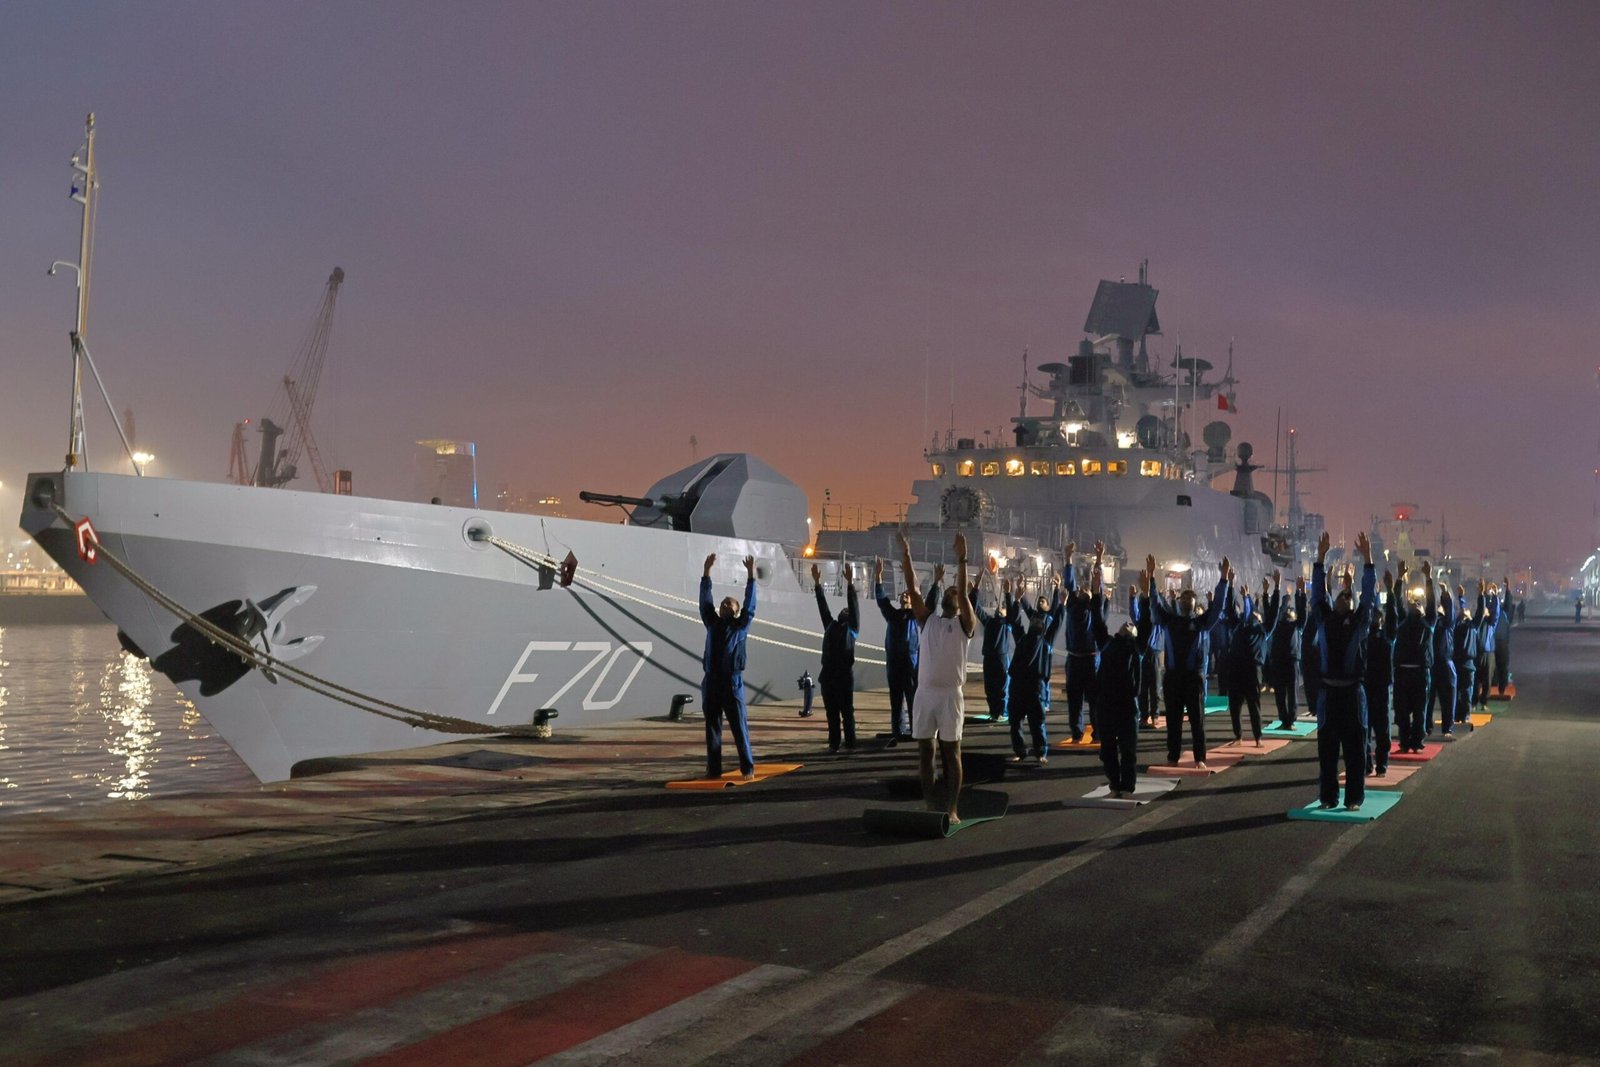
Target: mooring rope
[591,577]
[265,661]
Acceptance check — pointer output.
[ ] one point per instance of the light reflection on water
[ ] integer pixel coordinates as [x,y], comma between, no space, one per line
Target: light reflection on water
[82,721]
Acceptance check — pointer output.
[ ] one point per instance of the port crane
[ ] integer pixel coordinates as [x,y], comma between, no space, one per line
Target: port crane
[286,432]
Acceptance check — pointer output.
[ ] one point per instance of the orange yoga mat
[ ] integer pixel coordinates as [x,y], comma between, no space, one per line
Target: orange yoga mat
[733,778]
[1216,762]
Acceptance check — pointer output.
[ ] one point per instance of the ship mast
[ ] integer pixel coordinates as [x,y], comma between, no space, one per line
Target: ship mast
[85,186]
[85,193]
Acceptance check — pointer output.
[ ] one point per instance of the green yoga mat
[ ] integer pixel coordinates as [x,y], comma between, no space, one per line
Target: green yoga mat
[976,806]
[1216,704]
[1374,804]
[1301,728]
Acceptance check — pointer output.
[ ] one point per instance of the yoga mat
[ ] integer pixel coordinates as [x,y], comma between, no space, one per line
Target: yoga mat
[1429,750]
[1376,802]
[733,778]
[975,806]
[1216,763]
[1144,791]
[1247,746]
[1301,728]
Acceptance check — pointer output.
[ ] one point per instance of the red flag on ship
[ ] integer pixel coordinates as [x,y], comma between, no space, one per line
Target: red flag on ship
[1222,402]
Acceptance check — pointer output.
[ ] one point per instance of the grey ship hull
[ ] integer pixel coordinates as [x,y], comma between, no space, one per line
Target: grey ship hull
[411,610]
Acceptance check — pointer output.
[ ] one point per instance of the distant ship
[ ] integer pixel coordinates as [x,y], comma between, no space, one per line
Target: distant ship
[1111,459]
[44,598]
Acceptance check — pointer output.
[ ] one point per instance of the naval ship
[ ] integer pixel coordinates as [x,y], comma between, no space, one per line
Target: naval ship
[306,625]
[1108,447]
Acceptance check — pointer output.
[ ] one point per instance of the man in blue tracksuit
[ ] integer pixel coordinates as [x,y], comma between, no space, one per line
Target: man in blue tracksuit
[1413,658]
[1030,672]
[1377,677]
[1502,640]
[901,641]
[1339,644]
[1083,654]
[1150,641]
[996,647]
[838,674]
[1283,652]
[1443,689]
[1249,637]
[1188,651]
[722,691]
[1488,648]
[1467,641]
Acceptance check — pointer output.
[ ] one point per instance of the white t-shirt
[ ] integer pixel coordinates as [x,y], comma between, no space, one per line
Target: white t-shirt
[942,659]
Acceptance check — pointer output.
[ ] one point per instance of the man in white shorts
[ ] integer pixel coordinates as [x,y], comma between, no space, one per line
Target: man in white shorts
[937,713]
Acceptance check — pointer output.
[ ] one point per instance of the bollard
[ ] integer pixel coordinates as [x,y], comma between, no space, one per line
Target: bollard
[541,722]
[678,702]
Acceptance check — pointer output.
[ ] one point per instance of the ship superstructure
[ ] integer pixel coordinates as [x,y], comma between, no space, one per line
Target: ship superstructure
[1112,457]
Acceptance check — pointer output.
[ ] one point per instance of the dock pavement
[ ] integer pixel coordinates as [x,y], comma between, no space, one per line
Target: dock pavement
[513,901]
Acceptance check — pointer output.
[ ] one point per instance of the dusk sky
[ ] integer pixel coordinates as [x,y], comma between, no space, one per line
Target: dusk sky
[579,233]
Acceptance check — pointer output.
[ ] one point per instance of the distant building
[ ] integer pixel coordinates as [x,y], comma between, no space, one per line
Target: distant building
[527,502]
[447,471]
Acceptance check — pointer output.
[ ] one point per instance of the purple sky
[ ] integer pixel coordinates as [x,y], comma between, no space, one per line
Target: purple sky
[579,233]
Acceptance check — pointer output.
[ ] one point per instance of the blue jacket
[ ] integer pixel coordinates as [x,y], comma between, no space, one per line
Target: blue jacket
[1413,633]
[1492,629]
[1151,636]
[1340,640]
[1444,629]
[1283,650]
[902,638]
[1121,664]
[1188,642]
[839,637]
[996,632]
[1081,617]
[1248,640]
[1032,660]
[724,654]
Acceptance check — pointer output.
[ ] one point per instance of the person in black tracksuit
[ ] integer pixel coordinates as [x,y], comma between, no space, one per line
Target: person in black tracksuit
[1376,680]
[1188,652]
[1117,704]
[1310,665]
[1030,673]
[996,629]
[901,643]
[1283,652]
[1339,646]
[1443,688]
[1413,658]
[1248,641]
[838,675]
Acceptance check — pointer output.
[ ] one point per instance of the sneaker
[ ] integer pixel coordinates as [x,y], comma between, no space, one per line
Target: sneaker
[1043,759]
[1016,759]
[805,714]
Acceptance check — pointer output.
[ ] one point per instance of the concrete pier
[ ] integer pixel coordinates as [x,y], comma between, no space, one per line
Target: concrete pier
[516,901]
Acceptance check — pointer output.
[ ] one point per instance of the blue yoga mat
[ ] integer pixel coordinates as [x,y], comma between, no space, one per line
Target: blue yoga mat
[1374,804]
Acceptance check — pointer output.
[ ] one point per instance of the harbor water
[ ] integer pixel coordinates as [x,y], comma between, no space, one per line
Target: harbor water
[82,721]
